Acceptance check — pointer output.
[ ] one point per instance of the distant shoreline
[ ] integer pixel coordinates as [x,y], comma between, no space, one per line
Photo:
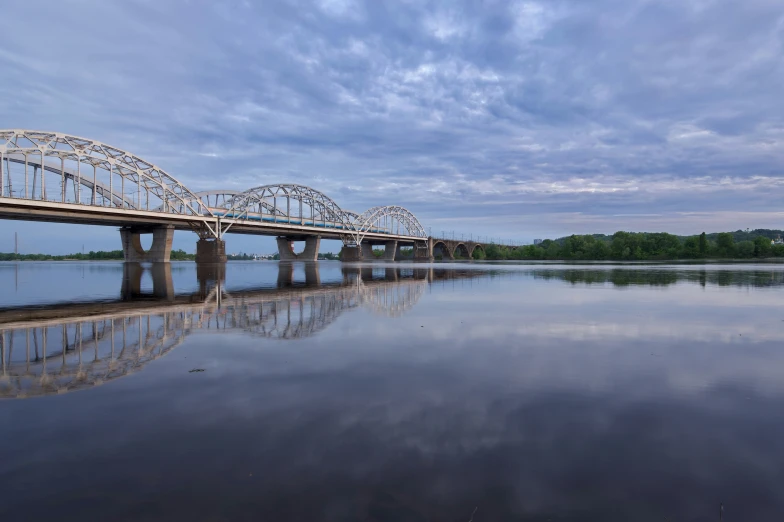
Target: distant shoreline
[753,260]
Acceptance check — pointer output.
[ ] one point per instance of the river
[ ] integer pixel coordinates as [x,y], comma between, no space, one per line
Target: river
[391,392]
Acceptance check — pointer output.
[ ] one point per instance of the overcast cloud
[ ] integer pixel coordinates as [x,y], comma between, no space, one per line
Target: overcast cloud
[509,118]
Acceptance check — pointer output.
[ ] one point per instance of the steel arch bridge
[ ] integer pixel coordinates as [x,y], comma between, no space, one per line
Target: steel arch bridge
[51,176]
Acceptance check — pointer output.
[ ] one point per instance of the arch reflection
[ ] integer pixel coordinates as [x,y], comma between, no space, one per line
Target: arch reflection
[62,348]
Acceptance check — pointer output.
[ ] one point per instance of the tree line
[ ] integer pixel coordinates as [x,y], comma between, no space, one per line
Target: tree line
[644,246]
[100,255]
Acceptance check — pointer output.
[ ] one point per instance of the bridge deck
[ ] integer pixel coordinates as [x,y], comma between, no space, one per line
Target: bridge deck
[25,209]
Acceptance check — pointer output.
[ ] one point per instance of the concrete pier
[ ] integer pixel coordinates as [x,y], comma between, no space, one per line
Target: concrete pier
[211,251]
[159,252]
[423,251]
[286,249]
[349,254]
[390,250]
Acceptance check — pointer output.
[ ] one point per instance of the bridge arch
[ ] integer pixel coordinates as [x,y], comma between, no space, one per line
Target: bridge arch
[94,169]
[49,169]
[388,219]
[440,248]
[288,203]
[477,246]
[461,250]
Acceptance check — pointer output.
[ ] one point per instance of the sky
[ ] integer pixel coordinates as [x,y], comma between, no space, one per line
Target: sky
[513,119]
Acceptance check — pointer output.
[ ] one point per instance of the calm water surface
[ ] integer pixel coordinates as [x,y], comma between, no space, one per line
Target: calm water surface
[391,392]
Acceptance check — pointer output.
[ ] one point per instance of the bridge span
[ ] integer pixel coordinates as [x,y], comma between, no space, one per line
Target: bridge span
[51,176]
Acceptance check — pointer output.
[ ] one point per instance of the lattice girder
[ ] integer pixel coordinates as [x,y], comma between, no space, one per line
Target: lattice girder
[382,217]
[176,198]
[268,197]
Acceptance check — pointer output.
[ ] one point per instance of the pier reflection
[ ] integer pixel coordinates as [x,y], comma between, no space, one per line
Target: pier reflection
[61,348]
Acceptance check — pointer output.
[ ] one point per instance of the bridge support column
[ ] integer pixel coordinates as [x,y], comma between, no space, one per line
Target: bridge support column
[286,249]
[312,244]
[348,254]
[399,252]
[210,251]
[423,250]
[159,252]
[390,250]
[367,252]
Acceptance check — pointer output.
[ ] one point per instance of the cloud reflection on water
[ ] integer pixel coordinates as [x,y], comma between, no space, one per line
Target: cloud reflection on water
[546,400]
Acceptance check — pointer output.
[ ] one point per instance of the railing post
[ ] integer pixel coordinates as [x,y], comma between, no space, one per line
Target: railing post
[43,174]
[65,180]
[111,187]
[78,184]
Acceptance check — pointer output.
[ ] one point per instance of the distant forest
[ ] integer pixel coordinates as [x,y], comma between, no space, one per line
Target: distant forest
[111,255]
[621,246]
[642,246]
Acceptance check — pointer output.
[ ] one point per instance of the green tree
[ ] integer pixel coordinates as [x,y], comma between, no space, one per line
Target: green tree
[725,242]
[493,252]
[181,255]
[553,251]
[762,247]
[691,247]
[599,250]
[745,249]
[703,245]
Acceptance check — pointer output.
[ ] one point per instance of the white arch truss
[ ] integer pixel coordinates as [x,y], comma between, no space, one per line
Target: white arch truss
[217,198]
[289,203]
[390,219]
[52,167]
[125,180]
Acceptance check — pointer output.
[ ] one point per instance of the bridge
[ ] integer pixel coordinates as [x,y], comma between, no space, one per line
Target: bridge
[50,176]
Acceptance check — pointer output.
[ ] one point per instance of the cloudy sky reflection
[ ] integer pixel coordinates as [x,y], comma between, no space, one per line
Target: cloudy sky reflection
[518,395]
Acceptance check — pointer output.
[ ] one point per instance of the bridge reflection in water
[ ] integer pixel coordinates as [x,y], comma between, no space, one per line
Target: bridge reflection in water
[61,348]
